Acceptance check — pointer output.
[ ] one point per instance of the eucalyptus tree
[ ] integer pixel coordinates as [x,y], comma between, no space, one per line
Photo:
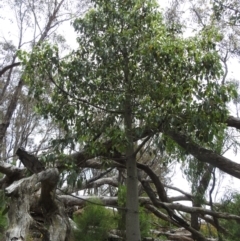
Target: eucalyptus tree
[131,79]
[25,25]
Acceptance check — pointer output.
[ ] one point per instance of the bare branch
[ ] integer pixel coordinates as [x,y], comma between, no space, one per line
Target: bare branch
[233,122]
[6,68]
[30,161]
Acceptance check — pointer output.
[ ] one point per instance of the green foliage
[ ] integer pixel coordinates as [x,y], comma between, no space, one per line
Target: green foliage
[208,230]
[94,223]
[145,225]
[121,217]
[231,204]
[3,211]
[122,192]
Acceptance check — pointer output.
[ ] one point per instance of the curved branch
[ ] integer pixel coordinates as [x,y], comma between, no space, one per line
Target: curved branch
[9,169]
[6,68]
[169,208]
[205,155]
[202,154]
[188,196]
[102,181]
[201,211]
[233,122]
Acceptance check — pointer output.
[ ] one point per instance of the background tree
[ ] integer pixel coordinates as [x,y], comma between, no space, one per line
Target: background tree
[200,14]
[19,125]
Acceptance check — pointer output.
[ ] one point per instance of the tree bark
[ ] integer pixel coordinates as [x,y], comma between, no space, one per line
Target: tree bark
[6,68]
[199,195]
[205,155]
[132,205]
[233,122]
[27,209]
[10,110]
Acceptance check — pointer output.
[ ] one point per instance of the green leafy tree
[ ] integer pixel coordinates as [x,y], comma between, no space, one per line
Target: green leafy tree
[130,69]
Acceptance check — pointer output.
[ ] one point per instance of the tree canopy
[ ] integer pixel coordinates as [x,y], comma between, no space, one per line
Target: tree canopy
[173,81]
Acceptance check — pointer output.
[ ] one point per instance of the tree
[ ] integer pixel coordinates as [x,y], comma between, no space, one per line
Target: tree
[94,157]
[131,68]
[229,9]
[202,14]
[35,22]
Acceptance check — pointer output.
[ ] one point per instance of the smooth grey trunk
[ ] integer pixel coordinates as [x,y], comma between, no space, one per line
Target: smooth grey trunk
[132,205]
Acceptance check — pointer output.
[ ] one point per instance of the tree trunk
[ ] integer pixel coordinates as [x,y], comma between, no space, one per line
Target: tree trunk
[198,198]
[132,215]
[132,205]
[33,216]
[10,110]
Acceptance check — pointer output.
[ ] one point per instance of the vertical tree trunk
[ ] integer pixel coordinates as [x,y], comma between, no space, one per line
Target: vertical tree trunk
[197,201]
[132,215]
[132,205]
[10,110]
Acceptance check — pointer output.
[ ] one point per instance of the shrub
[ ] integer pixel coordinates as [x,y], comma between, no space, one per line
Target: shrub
[144,219]
[94,223]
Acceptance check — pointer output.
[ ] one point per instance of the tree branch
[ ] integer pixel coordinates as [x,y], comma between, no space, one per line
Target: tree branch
[205,155]
[233,122]
[6,68]
[30,161]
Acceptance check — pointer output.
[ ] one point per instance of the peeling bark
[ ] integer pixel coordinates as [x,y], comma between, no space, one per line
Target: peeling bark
[12,174]
[24,218]
[30,161]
